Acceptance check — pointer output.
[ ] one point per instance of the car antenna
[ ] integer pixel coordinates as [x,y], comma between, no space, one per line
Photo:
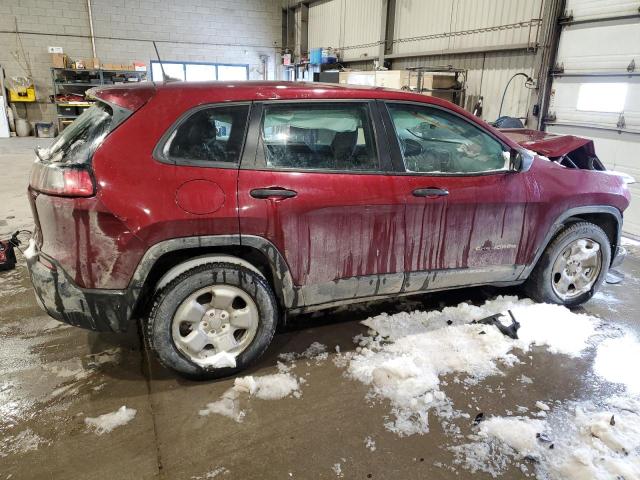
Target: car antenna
[165,78]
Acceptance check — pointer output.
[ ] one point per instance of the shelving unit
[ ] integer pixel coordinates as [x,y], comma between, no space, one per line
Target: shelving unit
[78,81]
[456,94]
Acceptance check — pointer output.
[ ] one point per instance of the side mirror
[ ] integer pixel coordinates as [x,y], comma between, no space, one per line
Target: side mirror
[520,160]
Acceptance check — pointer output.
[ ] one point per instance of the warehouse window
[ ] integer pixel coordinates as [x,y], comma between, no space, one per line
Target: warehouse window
[213,134]
[199,72]
[435,141]
[326,136]
[602,97]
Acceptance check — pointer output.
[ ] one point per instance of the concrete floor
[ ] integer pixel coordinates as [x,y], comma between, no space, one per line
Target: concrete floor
[53,376]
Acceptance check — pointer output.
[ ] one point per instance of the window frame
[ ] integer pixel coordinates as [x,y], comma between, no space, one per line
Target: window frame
[184,67]
[257,161]
[396,150]
[158,151]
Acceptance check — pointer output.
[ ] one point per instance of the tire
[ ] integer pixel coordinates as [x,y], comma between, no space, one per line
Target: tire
[168,338]
[545,285]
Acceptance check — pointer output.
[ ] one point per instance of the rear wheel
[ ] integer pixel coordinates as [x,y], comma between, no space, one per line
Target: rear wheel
[572,267]
[213,320]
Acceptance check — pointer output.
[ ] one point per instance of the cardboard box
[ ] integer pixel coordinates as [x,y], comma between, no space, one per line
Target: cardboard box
[358,78]
[59,60]
[91,63]
[438,81]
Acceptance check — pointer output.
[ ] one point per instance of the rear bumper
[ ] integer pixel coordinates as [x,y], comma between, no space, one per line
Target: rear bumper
[619,255]
[61,298]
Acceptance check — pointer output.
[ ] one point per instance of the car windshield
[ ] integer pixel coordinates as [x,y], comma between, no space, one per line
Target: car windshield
[79,140]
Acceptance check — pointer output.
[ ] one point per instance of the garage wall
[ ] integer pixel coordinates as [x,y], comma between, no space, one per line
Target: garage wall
[344,24]
[597,47]
[228,31]
[463,24]
[493,39]
[488,73]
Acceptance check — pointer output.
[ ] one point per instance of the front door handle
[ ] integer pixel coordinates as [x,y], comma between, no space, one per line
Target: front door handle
[273,192]
[430,192]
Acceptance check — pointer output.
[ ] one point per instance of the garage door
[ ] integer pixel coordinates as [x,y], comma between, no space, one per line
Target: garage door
[596,94]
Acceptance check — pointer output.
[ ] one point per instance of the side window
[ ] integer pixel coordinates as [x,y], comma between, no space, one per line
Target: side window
[322,136]
[435,141]
[213,134]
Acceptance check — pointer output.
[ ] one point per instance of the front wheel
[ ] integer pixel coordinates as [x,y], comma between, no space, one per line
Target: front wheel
[572,267]
[213,320]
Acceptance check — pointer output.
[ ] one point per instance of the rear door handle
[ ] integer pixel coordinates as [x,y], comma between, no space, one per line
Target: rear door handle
[273,192]
[430,192]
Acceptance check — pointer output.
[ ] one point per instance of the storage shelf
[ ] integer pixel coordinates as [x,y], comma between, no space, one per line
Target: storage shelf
[77,84]
[91,77]
[71,104]
[81,70]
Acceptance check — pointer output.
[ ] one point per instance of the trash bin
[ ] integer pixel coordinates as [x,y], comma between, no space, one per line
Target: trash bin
[45,129]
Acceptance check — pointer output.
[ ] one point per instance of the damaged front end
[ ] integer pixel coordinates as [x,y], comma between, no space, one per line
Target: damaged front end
[568,151]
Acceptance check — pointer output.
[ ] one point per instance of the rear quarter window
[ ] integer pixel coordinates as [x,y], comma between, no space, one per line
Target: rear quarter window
[211,136]
[77,143]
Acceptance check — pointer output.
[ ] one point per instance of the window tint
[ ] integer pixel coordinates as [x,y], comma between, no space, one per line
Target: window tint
[319,136]
[433,140]
[210,135]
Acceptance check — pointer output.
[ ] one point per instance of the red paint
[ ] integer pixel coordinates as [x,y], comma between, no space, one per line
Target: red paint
[548,144]
[339,225]
[131,97]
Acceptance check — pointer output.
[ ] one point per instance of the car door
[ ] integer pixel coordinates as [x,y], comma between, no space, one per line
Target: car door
[315,186]
[205,146]
[465,207]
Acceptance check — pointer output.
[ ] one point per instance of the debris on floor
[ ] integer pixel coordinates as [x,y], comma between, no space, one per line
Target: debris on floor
[617,361]
[589,442]
[109,421]
[266,387]
[406,354]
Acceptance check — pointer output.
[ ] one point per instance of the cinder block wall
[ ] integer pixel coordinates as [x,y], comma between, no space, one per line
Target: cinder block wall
[216,31]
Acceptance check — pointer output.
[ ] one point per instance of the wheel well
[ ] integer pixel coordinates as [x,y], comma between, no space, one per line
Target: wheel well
[173,258]
[605,221]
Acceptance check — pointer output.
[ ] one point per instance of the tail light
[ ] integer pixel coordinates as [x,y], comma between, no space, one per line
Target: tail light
[61,180]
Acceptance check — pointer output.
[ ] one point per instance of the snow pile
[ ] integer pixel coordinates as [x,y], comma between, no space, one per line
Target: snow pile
[25,441]
[266,387]
[617,361]
[407,353]
[594,443]
[212,473]
[370,444]
[228,406]
[316,351]
[337,469]
[109,421]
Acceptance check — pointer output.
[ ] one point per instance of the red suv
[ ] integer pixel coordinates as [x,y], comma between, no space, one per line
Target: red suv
[216,209]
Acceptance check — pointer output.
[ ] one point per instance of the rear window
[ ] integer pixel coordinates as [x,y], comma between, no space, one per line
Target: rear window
[78,142]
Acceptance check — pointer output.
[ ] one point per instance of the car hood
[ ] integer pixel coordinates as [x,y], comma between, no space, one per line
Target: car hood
[555,147]
[548,144]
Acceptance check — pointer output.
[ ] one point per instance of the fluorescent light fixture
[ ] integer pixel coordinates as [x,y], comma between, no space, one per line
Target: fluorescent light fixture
[602,97]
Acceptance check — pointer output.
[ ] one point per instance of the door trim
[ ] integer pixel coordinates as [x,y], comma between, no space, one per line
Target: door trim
[375,287]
